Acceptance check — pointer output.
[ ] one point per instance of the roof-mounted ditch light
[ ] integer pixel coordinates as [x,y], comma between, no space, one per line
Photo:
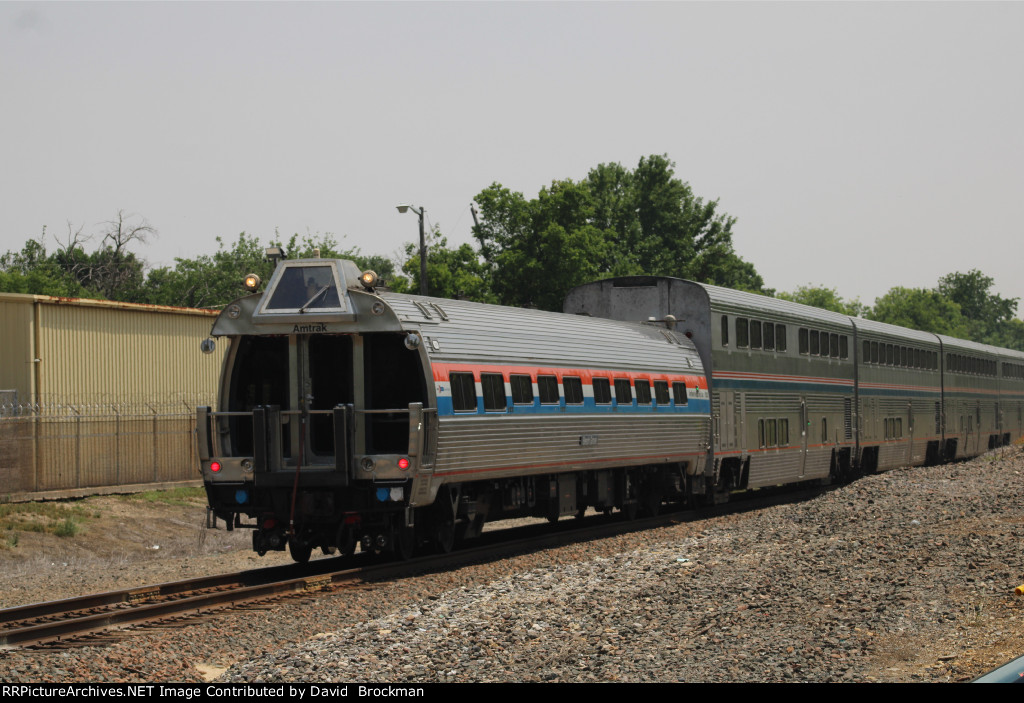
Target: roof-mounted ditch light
[251,282]
[369,280]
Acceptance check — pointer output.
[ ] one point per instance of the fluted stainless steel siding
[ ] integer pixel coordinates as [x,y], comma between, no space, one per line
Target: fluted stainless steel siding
[483,446]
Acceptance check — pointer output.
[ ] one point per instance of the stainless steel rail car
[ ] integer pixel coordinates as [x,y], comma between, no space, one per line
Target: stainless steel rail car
[899,396]
[353,415]
[801,393]
[782,375]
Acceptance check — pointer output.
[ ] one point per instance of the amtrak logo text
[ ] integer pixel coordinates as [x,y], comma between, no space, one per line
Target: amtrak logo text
[298,329]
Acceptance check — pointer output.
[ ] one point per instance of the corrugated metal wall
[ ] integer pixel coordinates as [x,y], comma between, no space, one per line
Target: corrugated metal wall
[16,345]
[92,354]
[117,390]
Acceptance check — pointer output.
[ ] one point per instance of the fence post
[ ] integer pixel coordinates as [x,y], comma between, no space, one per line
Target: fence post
[78,448]
[155,471]
[35,449]
[117,447]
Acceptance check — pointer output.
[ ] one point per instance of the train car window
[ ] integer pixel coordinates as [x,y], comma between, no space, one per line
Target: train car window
[643,391]
[573,387]
[772,439]
[780,337]
[661,392]
[548,388]
[760,433]
[844,347]
[725,330]
[493,387]
[522,389]
[742,332]
[463,392]
[303,288]
[866,351]
[769,336]
[816,343]
[802,345]
[888,355]
[874,352]
[824,429]
[783,432]
[602,391]
[903,356]
[679,393]
[833,345]
[623,391]
[755,334]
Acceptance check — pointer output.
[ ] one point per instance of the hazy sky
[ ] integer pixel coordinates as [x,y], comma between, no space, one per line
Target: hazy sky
[859,145]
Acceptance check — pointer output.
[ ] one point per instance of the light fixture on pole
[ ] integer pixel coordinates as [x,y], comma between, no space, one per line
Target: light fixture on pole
[423,246]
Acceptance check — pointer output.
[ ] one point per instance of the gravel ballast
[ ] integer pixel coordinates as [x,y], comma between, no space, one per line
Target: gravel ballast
[903,576]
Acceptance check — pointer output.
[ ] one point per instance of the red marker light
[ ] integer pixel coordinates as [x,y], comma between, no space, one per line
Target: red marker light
[403,463]
[214,466]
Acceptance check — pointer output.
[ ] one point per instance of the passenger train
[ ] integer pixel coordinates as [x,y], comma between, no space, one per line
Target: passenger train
[350,415]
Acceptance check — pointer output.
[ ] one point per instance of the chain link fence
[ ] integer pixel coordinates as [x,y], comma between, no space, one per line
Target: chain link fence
[53,446]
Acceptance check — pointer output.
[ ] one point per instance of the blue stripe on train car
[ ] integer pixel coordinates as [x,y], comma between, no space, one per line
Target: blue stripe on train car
[696,406]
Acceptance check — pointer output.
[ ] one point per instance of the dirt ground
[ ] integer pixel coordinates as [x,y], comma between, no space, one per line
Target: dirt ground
[123,541]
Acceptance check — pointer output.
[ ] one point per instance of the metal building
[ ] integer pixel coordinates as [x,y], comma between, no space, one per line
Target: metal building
[98,393]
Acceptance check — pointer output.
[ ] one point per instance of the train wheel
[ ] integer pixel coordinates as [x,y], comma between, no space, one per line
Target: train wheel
[346,541]
[300,551]
[444,536]
[405,543]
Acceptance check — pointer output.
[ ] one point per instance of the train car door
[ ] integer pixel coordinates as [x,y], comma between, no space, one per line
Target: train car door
[804,428]
[728,421]
[909,451]
[742,429]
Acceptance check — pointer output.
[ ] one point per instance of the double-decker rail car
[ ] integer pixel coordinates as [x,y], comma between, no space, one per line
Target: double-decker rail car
[801,393]
[899,396]
[351,415]
[970,397]
[1011,394]
[782,375]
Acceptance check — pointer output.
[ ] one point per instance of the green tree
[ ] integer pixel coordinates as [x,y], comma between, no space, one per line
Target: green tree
[987,314]
[827,299]
[209,280]
[920,309]
[34,271]
[614,222]
[451,272]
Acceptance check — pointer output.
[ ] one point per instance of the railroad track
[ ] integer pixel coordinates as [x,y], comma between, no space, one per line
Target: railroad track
[77,621]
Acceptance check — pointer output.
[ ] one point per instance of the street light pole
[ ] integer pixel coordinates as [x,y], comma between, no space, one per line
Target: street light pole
[423,246]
